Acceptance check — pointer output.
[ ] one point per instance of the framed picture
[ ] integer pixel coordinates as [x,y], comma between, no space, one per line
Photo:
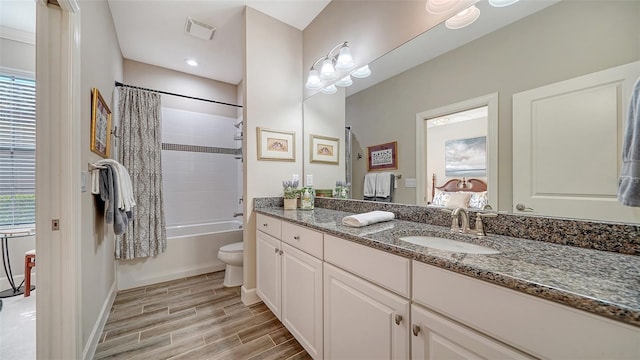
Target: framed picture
[100,125]
[324,149]
[382,157]
[466,157]
[276,145]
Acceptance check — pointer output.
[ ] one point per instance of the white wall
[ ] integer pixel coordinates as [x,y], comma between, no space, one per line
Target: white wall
[20,56]
[557,43]
[272,99]
[101,65]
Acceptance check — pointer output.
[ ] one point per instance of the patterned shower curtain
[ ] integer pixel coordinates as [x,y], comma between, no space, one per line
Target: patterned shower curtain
[139,151]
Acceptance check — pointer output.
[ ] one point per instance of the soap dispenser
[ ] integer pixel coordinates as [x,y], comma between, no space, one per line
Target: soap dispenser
[307,202]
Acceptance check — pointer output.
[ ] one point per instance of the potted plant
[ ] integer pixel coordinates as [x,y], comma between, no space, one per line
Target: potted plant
[290,190]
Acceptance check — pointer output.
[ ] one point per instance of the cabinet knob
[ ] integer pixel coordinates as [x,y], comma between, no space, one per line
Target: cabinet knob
[281,252]
[398,319]
[277,250]
[296,237]
[265,225]
[416,330]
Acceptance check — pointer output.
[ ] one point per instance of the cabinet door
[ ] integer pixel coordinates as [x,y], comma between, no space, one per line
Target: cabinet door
[362,320]
[302,298]
[435,337]
[268,271]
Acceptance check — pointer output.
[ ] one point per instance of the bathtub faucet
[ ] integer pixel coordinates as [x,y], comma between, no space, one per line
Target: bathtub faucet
[237,214]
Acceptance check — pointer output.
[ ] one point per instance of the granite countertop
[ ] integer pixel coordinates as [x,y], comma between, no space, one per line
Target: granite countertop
[602,283]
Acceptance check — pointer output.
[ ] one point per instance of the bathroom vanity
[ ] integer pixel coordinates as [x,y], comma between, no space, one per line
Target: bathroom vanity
[363,293]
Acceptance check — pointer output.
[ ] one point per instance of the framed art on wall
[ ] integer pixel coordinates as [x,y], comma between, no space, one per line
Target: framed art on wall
[100,125]
[466,157]
[382,157]
[324,149]
[276,145]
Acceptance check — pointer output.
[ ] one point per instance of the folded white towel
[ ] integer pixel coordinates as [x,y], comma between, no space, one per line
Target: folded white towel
[95,181]
[370,184]
[383,184]
[369,218]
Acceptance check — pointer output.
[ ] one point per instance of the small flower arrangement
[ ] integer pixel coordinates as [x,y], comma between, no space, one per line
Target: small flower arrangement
[290,189]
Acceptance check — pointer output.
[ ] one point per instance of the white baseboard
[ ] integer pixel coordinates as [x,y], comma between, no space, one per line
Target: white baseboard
[249,296]
[92,343]
[128,283]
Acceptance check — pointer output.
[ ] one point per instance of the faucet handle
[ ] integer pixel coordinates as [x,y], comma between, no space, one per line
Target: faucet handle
[480,225]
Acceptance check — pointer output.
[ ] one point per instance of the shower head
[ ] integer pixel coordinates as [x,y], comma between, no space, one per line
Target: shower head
[238,124]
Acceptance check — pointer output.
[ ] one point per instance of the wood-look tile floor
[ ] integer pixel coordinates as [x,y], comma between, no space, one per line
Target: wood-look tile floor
[193,318]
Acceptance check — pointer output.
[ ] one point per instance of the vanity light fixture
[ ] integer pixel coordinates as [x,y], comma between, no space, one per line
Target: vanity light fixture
[502,3]
[362,72]
[464,18]
[338,61]
[331,89]
[345,81]
[191,62]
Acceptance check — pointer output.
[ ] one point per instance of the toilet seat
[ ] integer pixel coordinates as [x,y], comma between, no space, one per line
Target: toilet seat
[233,248]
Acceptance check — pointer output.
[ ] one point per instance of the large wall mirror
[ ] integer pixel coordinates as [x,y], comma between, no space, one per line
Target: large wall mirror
[554,42]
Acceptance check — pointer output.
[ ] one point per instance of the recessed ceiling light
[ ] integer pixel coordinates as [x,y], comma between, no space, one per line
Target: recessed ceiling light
[464,18]
[191,62]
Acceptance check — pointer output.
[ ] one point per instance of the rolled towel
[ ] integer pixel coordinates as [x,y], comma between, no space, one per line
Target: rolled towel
[369,218]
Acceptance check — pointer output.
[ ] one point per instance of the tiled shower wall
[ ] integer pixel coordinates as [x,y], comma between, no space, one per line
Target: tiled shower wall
[199,167]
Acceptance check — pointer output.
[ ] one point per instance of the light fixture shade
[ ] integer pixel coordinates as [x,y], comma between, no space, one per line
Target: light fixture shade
[464,18]
[345,60]
[331,89]
[313,81]
[327,71]
[345,81]
[502,3]
[362,72]
[441,6]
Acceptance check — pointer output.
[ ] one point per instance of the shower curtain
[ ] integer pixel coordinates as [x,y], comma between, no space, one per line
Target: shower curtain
[139,151]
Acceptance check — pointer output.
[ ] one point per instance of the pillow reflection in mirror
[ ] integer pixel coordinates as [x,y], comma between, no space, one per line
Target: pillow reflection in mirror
[458,199]
[440,197]
[478,200]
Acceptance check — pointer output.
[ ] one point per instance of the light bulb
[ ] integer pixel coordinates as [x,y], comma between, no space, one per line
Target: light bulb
[345,81]
[502,3]
[327,71]
[362,72]
[191,62]
[464,18]
[331,89]
[313,81]
[345,60]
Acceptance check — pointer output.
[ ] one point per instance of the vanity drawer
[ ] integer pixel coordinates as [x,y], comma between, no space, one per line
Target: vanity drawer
[302,238]
[269,225]
[387,270]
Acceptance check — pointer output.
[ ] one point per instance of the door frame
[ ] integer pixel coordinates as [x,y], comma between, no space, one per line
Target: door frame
[491,102]
[58,144]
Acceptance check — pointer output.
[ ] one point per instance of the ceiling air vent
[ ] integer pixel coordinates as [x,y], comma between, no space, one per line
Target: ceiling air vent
[199,29]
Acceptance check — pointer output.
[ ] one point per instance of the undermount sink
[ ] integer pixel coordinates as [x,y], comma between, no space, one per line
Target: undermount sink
[449,245]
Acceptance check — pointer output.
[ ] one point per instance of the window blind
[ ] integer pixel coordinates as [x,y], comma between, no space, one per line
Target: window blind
[17,150]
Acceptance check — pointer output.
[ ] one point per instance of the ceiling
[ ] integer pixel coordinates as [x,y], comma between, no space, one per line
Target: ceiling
[153,32]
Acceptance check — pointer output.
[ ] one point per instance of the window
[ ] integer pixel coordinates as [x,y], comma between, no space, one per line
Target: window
[17,150]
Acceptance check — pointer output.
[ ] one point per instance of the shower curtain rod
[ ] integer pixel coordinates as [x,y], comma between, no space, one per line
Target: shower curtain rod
[119,84]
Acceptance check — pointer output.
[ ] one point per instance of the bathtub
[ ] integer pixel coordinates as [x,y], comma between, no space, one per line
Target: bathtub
[192,249]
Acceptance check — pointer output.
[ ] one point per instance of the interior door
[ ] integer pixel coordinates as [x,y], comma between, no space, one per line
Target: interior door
[567,145]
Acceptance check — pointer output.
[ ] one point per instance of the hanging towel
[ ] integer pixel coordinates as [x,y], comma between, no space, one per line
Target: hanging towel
[383,185]
[370,185]
[95,181]
[369,218]
[127,200]
[629,181]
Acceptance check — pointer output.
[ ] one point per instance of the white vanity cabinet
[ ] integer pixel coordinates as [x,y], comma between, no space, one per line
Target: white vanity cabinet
[289,280]
[364,317]
[436,337]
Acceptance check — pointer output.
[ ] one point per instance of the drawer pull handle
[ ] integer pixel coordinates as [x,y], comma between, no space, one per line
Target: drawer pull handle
[276,250]
[265,225]
[296,237]
[416,330]
[398,319]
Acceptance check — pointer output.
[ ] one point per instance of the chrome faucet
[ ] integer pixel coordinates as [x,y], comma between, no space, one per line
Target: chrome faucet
[237,214]
[456,214]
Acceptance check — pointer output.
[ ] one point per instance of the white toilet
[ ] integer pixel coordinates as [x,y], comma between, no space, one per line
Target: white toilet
[232,256]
